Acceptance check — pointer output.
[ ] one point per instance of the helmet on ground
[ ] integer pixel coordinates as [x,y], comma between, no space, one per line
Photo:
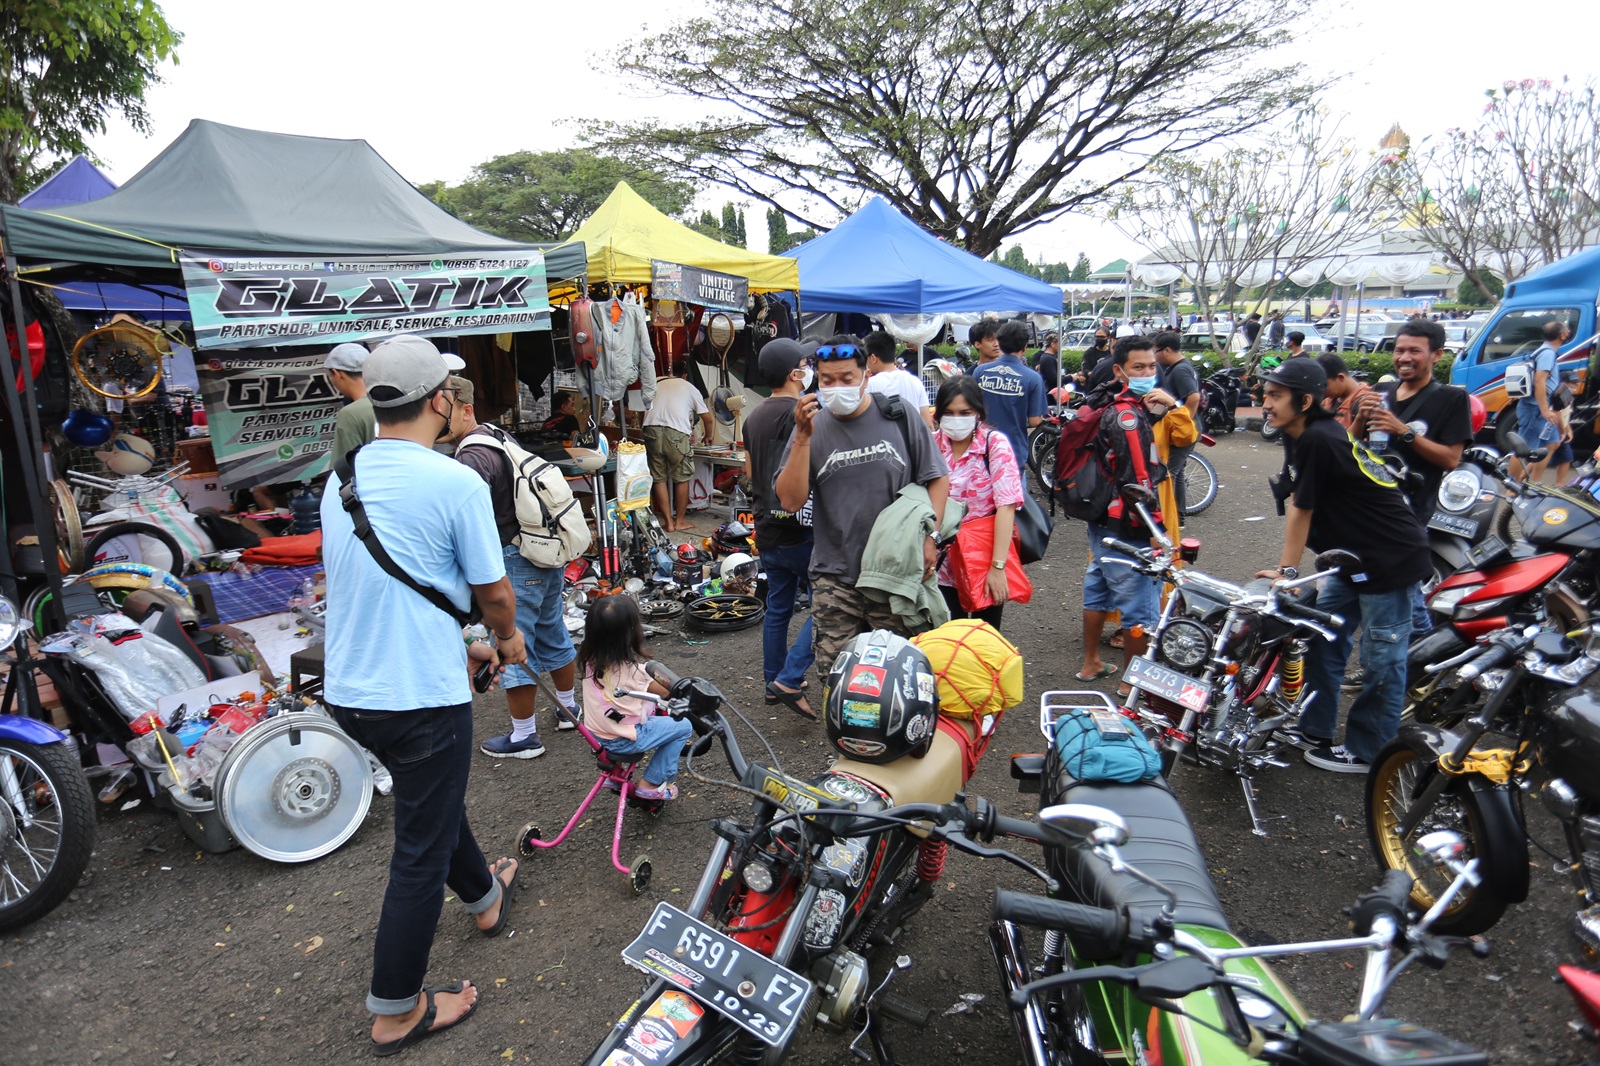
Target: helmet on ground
[1480,413]
[739,567]
[881,703]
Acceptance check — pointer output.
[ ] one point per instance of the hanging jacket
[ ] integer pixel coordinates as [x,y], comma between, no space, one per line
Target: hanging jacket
[891,565]
[625,352]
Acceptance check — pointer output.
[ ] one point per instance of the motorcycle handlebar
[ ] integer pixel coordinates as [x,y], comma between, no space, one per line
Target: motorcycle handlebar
[1493,657]
[1097,932]
[1300,610]
[1124,547]
[658,672]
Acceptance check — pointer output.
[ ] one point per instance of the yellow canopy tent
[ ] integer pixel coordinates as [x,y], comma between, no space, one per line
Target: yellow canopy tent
[626,233]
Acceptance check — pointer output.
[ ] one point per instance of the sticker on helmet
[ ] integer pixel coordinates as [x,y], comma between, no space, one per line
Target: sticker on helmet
[867,680]
[857,712]
[867,749]
[873,656]
[918,727]
[924,686]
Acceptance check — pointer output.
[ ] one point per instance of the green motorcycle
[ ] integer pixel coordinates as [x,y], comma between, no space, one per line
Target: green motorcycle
[1137,963]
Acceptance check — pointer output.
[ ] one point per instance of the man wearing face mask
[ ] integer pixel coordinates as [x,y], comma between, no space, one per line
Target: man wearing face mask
[782,537]
[1094,356]
[852,459]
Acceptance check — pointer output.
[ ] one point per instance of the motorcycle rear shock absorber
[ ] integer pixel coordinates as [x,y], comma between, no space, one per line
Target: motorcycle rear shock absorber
[1293,671]
[930,859]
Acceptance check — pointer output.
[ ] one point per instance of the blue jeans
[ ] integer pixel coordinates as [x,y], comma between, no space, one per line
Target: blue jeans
[540,616]
[1421,617]
[429,752]
[661,734]
[1112,586]
[1385,622]
[780,661]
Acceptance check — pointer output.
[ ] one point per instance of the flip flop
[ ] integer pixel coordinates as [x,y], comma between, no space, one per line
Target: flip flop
[1106,670]
[425,1027]
[508,892]
[792,700]
[772,701]
[1114,640]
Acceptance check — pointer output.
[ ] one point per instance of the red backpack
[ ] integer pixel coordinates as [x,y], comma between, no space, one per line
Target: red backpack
[1119,439]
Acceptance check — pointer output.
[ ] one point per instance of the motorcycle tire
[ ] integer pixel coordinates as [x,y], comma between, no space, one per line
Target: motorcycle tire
[1042,458]
[1270,434]
[175,564]
[1401,772]
[1200,484]
[41,865]
[724,614]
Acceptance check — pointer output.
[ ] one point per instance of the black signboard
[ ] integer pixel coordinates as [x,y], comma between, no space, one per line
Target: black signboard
[692,285]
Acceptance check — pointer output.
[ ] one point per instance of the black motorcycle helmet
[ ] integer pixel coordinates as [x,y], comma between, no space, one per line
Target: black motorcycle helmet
[881,701]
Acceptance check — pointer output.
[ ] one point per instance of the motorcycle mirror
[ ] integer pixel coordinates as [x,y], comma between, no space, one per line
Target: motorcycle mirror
[1517,443]
[1339,559]
[1443,846]
[1097,825]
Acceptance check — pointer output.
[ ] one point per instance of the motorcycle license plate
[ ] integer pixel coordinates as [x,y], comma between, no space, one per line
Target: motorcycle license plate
[1491,548]
[1450,523]
[741,984]
[1168,684]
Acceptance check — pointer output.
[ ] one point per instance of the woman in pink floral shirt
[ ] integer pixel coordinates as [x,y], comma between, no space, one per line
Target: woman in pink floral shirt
[984,476]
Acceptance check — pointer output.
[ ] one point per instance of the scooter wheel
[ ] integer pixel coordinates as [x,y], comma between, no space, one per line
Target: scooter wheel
[639,875]
[525,838]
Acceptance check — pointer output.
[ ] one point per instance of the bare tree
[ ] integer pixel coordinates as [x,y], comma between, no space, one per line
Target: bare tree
[1257,213]
[980,119]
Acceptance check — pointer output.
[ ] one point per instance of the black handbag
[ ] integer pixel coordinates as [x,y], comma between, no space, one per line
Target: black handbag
[1033,530]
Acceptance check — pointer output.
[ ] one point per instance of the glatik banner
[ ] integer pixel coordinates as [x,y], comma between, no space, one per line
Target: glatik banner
[271,416]
[271,301]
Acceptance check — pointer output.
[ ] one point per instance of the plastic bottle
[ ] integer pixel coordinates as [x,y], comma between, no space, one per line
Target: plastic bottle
[1378,439]
[307,510]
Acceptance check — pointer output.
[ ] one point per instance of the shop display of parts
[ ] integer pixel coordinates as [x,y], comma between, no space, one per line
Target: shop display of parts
[724,614]
[121,361]
[294,788]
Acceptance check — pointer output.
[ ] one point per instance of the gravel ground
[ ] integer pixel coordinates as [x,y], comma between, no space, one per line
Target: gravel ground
[169,954]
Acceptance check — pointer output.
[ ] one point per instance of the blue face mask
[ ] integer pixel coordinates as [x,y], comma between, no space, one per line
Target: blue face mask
[1140,386]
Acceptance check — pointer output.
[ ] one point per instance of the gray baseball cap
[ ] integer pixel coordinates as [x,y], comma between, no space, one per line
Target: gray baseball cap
[349,357]
[402,369]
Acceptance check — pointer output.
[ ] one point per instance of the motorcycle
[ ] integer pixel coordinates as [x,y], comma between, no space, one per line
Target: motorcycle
[1136,968]
[1221,395]
[1512,721]
[46,812]
[793,903]
[1223,680]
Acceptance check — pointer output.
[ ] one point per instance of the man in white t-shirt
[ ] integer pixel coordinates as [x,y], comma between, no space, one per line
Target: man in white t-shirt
[669,443]
[884,376]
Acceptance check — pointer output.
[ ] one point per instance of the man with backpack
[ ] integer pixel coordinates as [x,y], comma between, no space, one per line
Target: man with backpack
[1533,385]
[1108,446]
[487,452]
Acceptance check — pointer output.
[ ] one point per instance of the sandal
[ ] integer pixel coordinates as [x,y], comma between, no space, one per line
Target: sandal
[508,892]
[666,791]
[772,701]
[425,1027]
[1104,671]
[795,701]
[1115,640]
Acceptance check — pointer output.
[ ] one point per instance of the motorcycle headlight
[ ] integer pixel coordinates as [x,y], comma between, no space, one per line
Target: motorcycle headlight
[757,876]
[11,625]
[1185,644]
[1459,489]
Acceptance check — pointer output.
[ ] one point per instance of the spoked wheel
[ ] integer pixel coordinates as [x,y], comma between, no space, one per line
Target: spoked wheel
[172,564]
[1042,457]
[1398,776]
[639,875]
[46,829]
[657,608]
[724,614]
[1199,482]
[525,838]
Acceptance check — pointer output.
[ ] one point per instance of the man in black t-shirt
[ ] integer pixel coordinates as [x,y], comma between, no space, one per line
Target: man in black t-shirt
[783,538]
[1048,363]
[1180,379]
[1337,494]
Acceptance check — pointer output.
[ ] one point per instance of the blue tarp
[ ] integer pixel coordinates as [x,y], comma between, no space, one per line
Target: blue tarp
[76,183]
[877,261]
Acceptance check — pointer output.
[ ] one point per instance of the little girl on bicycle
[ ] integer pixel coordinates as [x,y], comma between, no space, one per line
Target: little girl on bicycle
[611,657]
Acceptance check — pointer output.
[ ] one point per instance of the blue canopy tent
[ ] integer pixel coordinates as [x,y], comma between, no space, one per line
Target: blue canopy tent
[878,261]
[76,183]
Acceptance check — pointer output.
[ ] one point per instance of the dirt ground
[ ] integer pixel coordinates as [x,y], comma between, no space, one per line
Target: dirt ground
[168,954]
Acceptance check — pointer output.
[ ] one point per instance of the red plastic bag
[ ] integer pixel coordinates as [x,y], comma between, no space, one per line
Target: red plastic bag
[974,557]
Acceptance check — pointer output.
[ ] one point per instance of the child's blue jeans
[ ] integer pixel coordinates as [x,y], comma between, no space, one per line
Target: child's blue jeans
[660,734]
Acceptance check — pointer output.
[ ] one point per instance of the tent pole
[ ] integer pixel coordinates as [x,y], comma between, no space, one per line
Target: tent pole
[24,414]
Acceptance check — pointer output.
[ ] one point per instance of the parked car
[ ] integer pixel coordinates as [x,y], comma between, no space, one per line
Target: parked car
[1315,342]
[1205,338]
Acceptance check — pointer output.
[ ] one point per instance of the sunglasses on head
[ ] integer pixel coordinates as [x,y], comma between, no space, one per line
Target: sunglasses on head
[836,351]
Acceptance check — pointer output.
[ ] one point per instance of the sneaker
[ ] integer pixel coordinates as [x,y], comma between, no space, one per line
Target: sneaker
[1334,757]
[1354,683]
[563,723]
[1295,739]
[503,747]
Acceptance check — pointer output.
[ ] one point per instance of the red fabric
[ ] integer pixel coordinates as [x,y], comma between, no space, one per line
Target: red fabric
[35,351]
[303,550]
[972,559]
[972,748]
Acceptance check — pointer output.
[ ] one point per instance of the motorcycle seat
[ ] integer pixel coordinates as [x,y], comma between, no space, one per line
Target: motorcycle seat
[934,778]
[1161,843]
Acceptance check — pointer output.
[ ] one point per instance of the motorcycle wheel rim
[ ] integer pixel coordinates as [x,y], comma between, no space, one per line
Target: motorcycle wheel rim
[28,854]
[1400,778]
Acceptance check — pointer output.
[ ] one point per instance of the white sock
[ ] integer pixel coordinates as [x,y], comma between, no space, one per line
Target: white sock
[523,728]
[568,698]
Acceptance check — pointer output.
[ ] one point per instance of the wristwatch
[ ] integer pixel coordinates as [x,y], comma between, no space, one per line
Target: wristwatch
[1290,572]
[1408,436]
[1001,565]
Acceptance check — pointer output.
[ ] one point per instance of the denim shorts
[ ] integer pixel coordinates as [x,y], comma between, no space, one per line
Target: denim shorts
[540,614]
[1534,427]
[1111,586]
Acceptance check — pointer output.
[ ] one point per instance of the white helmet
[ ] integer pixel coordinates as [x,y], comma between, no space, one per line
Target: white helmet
[733,564]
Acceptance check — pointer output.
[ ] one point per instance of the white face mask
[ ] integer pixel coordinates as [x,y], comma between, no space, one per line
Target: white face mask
[840,399]
[805,378]
[958,427]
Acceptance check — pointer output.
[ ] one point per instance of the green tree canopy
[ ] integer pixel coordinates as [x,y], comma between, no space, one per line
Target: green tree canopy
[1082,268]
[978,119]
[66,67]
[544,196]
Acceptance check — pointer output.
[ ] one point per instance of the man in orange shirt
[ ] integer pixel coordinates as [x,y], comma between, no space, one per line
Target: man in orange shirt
[1344,392]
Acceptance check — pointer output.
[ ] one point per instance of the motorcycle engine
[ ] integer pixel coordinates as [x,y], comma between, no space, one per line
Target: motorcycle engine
[842,978]
[1566,605]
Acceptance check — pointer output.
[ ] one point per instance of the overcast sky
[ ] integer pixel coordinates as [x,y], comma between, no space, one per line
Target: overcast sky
[438,88]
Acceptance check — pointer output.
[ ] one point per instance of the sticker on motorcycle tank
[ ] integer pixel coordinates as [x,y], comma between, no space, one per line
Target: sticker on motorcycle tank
[867,680]
[652,1039]
[858,713]
[846,789]
[822,924]
[924,686]
[1555,516]
[848,857]
[678,1011]
[621,1058]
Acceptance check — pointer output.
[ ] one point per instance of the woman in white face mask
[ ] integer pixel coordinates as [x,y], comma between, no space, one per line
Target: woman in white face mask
[985,476]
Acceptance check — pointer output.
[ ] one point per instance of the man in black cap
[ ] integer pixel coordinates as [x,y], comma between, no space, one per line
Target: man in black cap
[782,537]
[1337,494]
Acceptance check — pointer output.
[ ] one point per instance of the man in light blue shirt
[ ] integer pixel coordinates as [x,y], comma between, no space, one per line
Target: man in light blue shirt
[396,673]
[1536,419]
[1015,393]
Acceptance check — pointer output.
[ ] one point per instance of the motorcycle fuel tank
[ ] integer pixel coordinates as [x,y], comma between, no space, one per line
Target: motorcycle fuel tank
[1559,520]
[1571,748]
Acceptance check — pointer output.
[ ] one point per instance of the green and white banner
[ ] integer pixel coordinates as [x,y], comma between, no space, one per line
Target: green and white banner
[271,416]
[271,301]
